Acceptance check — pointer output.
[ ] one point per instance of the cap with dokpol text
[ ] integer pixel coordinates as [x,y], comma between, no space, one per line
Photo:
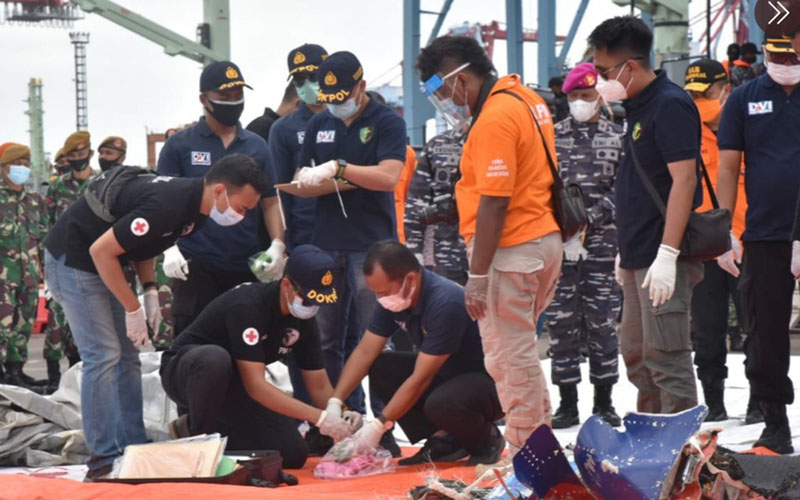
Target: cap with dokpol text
[311,269]
[702,74]
[221,75]
[306,58]
[337,76]
[582,76]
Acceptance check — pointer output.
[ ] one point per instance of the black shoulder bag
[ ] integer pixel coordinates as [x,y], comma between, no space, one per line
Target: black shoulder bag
[103,190]
[707,234]
[568,205]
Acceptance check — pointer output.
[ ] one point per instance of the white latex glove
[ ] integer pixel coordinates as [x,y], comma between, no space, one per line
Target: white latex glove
[660,278]
[152,309]
[369,437]
[796,259]
[729,260]
[334,407]
[277,260]
[315,176]
[175,264]
[574,250]
[354,419]
[618,271]
[136,327]
[333,426]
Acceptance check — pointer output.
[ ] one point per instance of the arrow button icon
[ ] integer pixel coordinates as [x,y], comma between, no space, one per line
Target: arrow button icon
[781,13]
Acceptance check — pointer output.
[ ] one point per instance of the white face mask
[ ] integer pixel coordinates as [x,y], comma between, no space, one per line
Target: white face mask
[396,302]
[229,217]
[613,90]
[300,310]
[782,74]
[584,111]
[344,110]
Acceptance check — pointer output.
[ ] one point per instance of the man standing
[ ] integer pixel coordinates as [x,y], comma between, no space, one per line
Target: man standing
[440,393]
[61,194]
[215,259]
[663,137]
[586,305]
[506,217]
[112,152]
[363,142]
[761,120]
[23,226]
[263,124]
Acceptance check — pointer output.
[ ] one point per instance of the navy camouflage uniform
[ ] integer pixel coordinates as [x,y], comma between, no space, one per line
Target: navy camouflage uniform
[439,246]
[587,296]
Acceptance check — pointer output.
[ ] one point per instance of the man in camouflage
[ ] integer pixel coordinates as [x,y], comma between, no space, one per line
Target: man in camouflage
[61,194]
[23,226]
[586,300]
[431,220]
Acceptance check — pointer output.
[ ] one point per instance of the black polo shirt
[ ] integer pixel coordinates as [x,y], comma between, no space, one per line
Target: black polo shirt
[285,142]
[190,153]
[152,213]
[663,127]
[248,323]
[761,120]
[437,325]
[377,134]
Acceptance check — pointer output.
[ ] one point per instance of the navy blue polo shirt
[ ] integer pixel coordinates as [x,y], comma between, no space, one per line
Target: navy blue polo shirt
[663,127]
[377,134]
[190,153]
[761,120]
[437,325]
[285,142]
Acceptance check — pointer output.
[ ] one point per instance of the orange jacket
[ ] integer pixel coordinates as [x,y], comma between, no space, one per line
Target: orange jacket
[401,191]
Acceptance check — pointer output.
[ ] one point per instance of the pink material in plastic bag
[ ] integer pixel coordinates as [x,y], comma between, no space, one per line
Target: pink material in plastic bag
[344,461]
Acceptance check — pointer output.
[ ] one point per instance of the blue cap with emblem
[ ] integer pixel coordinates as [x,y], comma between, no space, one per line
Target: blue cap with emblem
[221,75]
[311,270]
[337,75]
[306,59]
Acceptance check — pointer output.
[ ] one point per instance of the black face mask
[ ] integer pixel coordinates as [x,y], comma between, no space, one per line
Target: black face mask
[79,165]
[107,164]
[227,113]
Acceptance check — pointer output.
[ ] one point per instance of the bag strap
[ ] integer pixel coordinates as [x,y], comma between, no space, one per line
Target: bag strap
[559,184]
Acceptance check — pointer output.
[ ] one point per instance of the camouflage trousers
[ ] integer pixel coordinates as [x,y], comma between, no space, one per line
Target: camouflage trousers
[17,314]
[586,302]
[162,339]
[58,341]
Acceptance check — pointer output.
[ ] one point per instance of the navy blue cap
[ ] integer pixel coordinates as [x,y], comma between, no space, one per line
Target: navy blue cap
[221,75]
[338,74]
[311,269]
[306,58]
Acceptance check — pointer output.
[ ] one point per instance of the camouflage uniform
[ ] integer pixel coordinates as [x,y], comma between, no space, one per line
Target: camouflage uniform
[587,297]
[23,226]
[439,246]
[162,340]
[61,194]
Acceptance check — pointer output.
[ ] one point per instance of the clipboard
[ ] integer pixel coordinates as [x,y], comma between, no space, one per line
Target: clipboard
[293,189]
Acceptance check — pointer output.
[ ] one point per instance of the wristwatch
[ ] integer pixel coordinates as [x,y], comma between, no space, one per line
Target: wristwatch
[340,171]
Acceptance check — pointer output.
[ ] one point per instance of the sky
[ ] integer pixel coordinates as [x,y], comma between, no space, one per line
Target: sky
[134,87]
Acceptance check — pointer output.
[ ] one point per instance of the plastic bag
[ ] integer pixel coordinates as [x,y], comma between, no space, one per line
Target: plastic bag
[344,461]
[258,263]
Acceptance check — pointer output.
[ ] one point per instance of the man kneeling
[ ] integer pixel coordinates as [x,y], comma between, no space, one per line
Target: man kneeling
[215,369]
[443,393]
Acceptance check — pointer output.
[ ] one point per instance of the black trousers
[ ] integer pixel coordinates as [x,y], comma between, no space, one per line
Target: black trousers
[202,379]
[205,283]
[766,286]
[464,406]
[710,317]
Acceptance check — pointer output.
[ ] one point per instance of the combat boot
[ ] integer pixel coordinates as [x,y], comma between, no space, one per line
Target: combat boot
[53,375]
[567,413]
[754,414]
[776,435]
[603,407]
[714,394]
[14,376]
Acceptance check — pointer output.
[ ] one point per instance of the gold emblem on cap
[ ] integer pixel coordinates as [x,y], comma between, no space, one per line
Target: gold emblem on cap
[327,279]
[330,79]
[299,58]
[590,80]
[231,73]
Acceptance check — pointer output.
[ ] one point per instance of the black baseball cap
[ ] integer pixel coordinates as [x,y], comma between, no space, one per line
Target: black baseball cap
[311,270]
[702,74]
[221,75]
[338,74]
[306,58]
[750,48]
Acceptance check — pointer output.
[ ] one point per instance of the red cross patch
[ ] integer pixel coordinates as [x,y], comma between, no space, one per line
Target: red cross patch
[250,336]
[140,226]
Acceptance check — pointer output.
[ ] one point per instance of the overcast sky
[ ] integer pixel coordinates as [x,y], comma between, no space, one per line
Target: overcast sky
[134,87]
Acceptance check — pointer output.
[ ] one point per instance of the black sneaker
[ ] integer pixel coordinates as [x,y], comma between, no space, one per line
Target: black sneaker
[437,449]
[98,473]
[777,439]
[490,454]
[388,443]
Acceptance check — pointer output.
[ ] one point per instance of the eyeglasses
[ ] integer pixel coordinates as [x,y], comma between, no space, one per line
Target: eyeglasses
[300,78]
[785,58]
[299,293]
[604,72]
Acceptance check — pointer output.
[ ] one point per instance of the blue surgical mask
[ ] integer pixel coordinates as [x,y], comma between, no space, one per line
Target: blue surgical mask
[344,110]
[307,92]
[19,174]
[229,217]
[300,310]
